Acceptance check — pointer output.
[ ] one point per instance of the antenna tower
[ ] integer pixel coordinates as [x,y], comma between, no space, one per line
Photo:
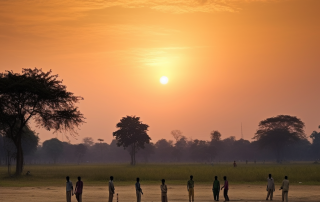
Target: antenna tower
[241,131]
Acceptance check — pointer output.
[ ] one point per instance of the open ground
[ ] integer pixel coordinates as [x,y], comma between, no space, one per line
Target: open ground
[247,182]
[152,193]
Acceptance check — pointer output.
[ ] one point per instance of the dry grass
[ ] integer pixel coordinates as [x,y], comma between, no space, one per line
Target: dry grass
[54,175]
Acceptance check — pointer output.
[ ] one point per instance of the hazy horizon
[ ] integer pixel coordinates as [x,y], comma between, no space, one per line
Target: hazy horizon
[228,62]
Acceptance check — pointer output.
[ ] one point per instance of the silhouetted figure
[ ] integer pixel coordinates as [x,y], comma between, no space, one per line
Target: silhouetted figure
[255,161]
[78,190]
[246,161]
[234,164]
[138,190]
[164,191]
[190,187]
[285,189]
[226,188]
[216,188]
[111,189]
[270,187]
[69,189]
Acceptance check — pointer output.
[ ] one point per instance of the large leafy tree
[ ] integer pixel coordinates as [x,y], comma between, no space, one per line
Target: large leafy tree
[215,144]
[36,96]
[315,136]
[29,143]
[215,135]
[80,151]
[53,148]
[276,133]
[132,133]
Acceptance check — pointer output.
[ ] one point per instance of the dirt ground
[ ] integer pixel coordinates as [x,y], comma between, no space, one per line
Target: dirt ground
[152,193]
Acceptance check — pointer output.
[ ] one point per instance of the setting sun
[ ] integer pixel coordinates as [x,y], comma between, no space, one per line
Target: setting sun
[164,80]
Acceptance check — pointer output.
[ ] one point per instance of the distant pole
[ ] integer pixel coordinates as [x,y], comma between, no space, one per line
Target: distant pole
[117,197]
[241,131]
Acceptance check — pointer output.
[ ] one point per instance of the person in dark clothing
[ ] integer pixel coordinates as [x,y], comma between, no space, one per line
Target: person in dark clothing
[226,188]
[78,190]
[216,188]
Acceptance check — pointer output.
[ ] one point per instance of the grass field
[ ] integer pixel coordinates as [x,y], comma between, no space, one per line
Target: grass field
[95,175]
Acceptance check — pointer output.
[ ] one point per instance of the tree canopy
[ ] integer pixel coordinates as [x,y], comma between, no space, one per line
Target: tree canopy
[53,148]
[38,96]
[215,135]
[288,123]
[277,132]
[132,133]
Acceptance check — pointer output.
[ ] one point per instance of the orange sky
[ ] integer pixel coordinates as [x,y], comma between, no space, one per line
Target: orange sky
[228,61]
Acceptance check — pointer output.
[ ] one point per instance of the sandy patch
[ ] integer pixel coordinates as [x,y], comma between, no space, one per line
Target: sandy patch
[152,193]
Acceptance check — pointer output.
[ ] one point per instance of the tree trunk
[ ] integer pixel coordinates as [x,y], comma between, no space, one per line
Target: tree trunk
[9,163]
[131,153]
[134,154]
[19,159]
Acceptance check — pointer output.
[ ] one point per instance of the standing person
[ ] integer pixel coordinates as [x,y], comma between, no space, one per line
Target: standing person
[285,189]
[226,188]
[270,188]
[78,190]
[138,190]
[111,189]
[234,164]
[164,191]
[69,189]
[216,188]
[190,187]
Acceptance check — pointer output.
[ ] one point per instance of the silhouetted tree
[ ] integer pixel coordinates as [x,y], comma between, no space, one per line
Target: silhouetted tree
[80,151]
[179,148]
[100,140]
[132,133]
[277,132]
[199,150]
[215,144]
[29,143]
[164,149]
[36,95]
[147,151]
[88,141]
[215,135]
[315,136]
[177,134]
[53,148]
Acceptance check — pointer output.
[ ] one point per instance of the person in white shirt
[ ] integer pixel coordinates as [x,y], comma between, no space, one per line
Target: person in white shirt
[69,189]
[285,189]
[164,190]
[111,189]
[270,187]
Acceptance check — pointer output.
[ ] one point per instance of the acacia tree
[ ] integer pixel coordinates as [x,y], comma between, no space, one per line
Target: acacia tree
[132,133]
[277,132]
[38,96]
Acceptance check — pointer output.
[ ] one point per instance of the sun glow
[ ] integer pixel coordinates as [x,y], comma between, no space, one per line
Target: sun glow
[164,80]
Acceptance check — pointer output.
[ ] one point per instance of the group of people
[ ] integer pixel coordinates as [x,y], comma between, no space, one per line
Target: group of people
[216,188]
[77,191]
[190,186]
[284,187]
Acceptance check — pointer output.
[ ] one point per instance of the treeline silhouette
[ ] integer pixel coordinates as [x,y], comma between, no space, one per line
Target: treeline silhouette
[166,151]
